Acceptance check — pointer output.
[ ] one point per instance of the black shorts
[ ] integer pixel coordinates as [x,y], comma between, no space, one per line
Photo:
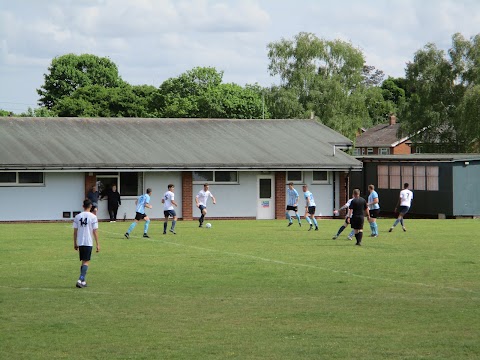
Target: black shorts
[293,208]
[374,213]
[168,213]
[140,216]
[357,222]
[85,252]
[311,210]
[403,209]
[201,207]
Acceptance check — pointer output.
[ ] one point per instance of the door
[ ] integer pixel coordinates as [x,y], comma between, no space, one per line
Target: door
[265,197]
[104,184]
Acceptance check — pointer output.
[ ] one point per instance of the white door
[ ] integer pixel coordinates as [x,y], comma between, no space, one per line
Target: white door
[266,197]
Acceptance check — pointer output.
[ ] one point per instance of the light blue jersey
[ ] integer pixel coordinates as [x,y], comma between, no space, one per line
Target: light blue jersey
[141,202]
[373,195]
[292,197]
[308,195]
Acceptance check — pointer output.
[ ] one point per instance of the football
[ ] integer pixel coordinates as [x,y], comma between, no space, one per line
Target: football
[208,225]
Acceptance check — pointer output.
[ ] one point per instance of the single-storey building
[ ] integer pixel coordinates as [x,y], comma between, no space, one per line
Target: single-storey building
[47,165]
[444,185]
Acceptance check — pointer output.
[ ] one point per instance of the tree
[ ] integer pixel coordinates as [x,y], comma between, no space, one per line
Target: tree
[70,72]
[200,93]
[444,90]
[326,77]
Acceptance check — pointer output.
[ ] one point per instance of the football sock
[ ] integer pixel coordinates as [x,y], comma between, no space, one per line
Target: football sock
[298,218]
[202,218]
[83,272]
[315,222]
[174,222]
[351,233]
[372,228]
[360,236]
[401,221]
[308,220]
[287,215]
[375,228]
[165,226]
[145,228]
[396,222]
[132,226]
[340,230]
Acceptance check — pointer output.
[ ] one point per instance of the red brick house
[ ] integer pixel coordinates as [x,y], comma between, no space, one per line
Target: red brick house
[383,139]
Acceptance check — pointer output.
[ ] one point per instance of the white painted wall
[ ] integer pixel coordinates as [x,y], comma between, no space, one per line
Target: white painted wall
[61,192]
[233,200]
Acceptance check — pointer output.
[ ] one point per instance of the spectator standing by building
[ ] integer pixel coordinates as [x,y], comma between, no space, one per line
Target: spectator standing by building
[113,202]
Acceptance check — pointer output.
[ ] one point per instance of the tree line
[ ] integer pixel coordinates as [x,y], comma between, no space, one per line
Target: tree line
[438,99]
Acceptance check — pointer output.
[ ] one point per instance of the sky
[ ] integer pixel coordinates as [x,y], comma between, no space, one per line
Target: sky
[153,40]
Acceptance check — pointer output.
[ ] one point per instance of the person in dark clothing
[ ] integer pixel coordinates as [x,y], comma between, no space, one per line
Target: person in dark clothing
[93,196]
[114,202]
[356,215]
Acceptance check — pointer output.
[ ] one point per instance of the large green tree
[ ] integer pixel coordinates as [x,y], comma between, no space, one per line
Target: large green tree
[444,93]
[200,93]
[326,77]
[70,72]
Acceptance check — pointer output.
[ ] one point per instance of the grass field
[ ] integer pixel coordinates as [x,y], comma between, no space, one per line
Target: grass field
[242,290]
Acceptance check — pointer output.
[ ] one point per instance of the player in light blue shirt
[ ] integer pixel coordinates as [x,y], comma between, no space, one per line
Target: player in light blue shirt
[310,208]
[374,207]
[142,202]
[292,204]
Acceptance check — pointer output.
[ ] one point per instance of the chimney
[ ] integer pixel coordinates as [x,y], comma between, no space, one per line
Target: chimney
[393,119]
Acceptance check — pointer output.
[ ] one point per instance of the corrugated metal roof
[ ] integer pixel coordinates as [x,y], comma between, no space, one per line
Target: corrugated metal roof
[124,143]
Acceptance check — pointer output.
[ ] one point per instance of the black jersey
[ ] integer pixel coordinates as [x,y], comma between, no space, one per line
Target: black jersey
[359,205]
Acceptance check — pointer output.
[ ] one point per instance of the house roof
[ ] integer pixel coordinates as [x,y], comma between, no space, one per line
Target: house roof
[167,144]
[381,135]
[421,158]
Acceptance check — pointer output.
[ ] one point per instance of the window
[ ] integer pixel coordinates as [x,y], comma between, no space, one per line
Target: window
[395,180]
[419,178]
[407,175]
[384,151]
[432,178]
[201,177]
[21,178]
[294,176]
[131,183]
[369,151]
[321,177]
[382,176]
[356,152]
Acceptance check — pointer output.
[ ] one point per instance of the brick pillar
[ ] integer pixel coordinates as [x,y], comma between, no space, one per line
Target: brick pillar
[344,189]
[280,185]
[187,195]
[90,180]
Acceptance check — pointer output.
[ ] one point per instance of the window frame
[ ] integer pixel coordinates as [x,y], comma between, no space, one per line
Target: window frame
[213,181]
[324,182]
[383,151]
[295,181]
[17,182]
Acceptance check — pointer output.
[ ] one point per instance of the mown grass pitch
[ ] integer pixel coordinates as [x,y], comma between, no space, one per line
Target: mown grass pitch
[242,290]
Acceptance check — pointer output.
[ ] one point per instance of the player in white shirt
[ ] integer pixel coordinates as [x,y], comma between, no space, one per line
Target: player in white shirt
[309,207]
[201,202]
[405,201]
[168,201]
[85,227]
[344,207]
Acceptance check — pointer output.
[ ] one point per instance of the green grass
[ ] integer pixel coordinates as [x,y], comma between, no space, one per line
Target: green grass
[242,290]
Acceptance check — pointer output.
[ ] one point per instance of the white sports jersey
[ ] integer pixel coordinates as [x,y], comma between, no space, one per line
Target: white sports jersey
[168,197]
[406,197]
[347,204]
[203,196]
[85,222]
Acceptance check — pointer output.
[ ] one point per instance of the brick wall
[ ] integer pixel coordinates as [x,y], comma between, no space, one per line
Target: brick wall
[344,189]
[402,149]
[90,180]
[187,195]
[280,186]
